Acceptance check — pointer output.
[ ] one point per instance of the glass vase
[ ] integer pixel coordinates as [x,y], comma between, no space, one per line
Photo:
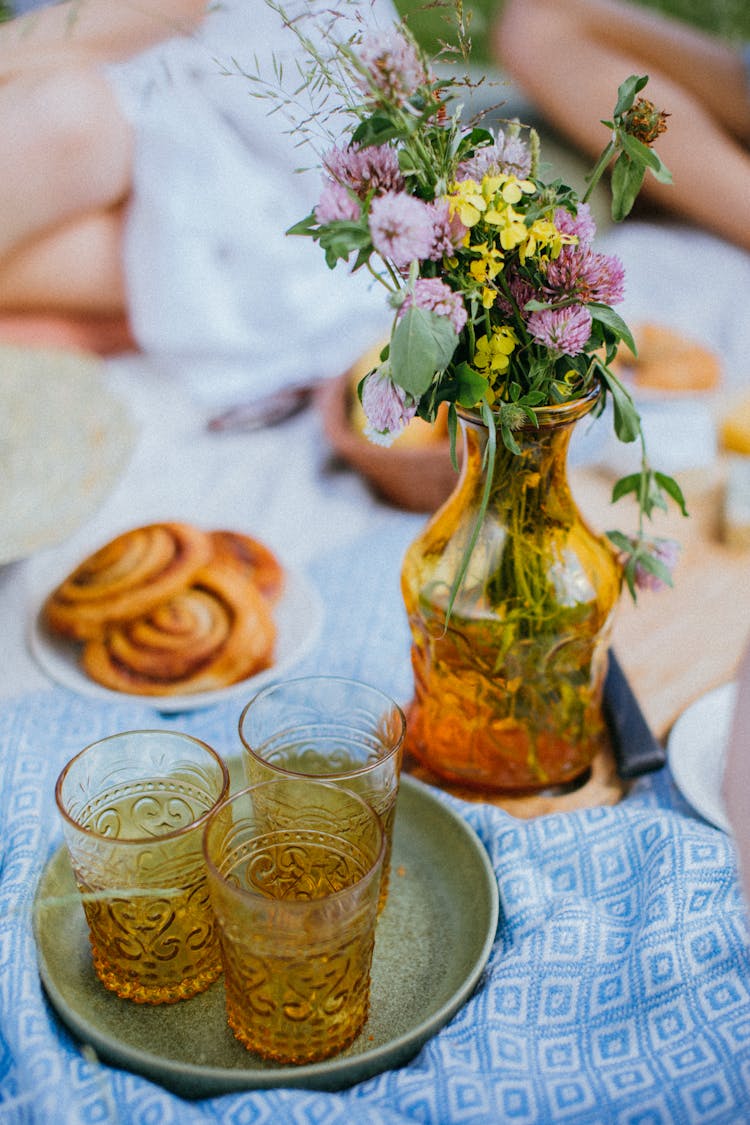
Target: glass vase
[509,684]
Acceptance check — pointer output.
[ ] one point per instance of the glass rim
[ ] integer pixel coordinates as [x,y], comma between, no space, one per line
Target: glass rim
[551,414]
[244,895]
[139,841]
[269,689]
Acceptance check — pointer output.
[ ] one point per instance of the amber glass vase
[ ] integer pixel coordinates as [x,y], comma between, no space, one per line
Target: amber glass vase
[508,686]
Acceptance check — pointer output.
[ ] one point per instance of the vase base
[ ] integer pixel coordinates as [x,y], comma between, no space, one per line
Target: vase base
[598,785]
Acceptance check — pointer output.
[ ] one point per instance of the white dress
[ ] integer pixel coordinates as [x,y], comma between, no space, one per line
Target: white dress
[216,288]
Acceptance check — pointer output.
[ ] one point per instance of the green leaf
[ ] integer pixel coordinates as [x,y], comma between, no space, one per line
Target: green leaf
[662,173]
[625,485]
[470,385]
[655,566]
[341,238]
[621,541]
[467,144]
[477,136]
[627,90]
[362,258]
[658,500]
[641,152]
[627,420]
[308,225]
[673,490]
[534,398]
[627,177]
[638,151]
[421,346]
[453,434]
[407,166]
[603,314]
[375,130]
[489,468]
[509,440]
[629,573]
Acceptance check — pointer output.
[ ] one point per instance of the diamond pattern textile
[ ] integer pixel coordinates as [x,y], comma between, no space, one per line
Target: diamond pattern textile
[617,991]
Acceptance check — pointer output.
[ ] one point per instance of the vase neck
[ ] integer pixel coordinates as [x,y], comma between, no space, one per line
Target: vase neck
[542,449]
[549,419]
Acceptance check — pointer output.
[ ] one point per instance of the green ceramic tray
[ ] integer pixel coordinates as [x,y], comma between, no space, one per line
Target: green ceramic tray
[433,941]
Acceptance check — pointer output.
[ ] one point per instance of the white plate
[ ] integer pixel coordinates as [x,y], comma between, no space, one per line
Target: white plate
[298,616]
[64,443]
[696,748]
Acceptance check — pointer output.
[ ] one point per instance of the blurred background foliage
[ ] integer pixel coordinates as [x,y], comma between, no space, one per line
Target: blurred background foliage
[434,22]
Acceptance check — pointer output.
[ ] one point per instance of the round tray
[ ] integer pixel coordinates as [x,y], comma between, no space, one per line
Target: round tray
[433,940]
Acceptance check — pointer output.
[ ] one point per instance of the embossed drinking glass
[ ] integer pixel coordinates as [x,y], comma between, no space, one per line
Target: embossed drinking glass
[294,870]
[339,729]
[134,807]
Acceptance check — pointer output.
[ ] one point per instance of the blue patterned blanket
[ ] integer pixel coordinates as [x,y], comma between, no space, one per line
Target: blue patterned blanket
[617,991]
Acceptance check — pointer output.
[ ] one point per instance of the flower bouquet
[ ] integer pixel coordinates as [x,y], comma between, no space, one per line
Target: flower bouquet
[502,305]
[503,310]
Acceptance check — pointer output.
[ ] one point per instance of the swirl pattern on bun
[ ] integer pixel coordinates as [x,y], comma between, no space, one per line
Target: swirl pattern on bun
[129,576]
[261,563]
[215,632]
[168,609]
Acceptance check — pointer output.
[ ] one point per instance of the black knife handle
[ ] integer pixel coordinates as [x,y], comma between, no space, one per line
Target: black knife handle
[635,748]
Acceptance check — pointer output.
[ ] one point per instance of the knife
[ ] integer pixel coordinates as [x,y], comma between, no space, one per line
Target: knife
[635,748]
[267,410]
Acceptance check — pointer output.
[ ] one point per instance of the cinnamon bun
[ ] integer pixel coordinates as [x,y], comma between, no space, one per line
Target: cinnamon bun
[127,577]
[215,632]
[259,560]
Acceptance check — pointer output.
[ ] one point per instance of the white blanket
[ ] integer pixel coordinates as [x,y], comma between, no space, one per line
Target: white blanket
[216,287]
[696,284]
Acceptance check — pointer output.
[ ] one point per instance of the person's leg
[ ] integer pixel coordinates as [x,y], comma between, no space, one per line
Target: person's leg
[77,267]
[705,66]
[572,75]
[66,174]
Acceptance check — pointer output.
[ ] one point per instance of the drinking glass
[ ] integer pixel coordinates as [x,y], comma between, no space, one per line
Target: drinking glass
[134,807]
[338,729]
[294,868]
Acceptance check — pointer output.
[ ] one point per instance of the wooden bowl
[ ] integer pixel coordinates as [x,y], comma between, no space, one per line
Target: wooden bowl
[417,477]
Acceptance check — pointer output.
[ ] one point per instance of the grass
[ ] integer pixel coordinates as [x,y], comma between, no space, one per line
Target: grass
[434,22]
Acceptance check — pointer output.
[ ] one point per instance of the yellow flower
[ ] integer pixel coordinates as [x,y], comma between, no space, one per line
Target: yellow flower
[465,199]
[544,237]
[508,187]
[541,234]
[492,353]
[509,222]
[501,214]
[488,265]
[515,189]
[567,384]
[513,233]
